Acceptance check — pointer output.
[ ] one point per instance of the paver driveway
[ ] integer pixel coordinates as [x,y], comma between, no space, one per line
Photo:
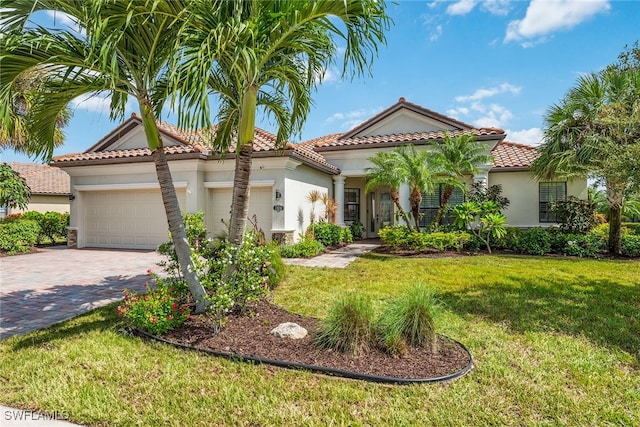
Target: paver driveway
[56,284]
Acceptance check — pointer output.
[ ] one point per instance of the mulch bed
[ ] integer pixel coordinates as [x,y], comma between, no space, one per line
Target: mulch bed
[250,336]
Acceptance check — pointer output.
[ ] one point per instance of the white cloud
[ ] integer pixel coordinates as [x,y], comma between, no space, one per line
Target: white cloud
[533,136]
[350,119]
[461,7]
[497,7]
[436,33]
[543,17]
[486,93]
[496,116]
[456,113]
[92,102]
[330,75]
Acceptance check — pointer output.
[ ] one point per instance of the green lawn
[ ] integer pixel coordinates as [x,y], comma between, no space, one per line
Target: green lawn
[556,341]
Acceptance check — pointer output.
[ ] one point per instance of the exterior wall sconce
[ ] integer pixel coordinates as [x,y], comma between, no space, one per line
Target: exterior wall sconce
[71,197]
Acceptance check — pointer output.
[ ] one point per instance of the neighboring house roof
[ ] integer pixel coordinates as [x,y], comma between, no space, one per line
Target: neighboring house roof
[189,144]
[511,155]
[43,179]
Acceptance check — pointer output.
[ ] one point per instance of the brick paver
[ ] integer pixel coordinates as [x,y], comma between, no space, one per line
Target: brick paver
[56,284]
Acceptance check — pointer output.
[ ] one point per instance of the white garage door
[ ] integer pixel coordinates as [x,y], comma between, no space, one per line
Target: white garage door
[260,204]
[128,219]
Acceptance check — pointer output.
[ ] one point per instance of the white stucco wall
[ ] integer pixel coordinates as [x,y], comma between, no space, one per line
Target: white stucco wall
[522,190]
[404,121]
[298,183]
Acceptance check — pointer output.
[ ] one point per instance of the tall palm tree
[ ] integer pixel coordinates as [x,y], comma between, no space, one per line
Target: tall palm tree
[418,169]
[124,50]
[385,171]
[270,55]
[14,132]
[595,130]
[454,157]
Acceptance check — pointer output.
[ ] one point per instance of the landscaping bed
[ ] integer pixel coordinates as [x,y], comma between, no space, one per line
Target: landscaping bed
[249,336]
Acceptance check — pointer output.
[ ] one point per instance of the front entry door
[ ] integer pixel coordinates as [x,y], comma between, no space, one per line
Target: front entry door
[379,213]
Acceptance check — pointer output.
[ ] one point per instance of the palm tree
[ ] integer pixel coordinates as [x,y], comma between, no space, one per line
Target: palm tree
[385,171]
[454,157]
[124,50]
[418,171]
[270,55]
[595,131]
[14,130]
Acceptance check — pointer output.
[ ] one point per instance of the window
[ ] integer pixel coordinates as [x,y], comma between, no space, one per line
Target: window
[550,192]
[430,205]
[351,205]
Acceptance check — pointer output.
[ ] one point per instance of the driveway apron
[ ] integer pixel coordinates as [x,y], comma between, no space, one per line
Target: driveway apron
[55,284]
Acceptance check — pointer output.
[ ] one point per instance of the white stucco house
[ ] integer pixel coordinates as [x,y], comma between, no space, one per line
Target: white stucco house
[49,188]
[117,203]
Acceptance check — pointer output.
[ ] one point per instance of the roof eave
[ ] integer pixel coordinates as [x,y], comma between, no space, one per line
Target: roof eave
[491,137]
[126,160]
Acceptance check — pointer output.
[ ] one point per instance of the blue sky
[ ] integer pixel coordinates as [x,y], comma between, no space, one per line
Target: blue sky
[492,63]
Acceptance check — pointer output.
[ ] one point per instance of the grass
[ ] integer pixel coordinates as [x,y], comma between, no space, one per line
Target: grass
[556,341]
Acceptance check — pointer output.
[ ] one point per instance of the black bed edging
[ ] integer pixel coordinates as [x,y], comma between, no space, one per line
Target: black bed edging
[322,369]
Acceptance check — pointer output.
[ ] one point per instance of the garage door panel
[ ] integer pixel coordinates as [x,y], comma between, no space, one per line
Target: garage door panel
[132,219]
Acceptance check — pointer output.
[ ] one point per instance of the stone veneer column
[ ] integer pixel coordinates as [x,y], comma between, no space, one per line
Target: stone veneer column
[338,196]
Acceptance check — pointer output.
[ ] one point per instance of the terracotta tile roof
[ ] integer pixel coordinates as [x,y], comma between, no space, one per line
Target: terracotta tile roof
[513,155]
[331,142]
[43,179]
[189,142]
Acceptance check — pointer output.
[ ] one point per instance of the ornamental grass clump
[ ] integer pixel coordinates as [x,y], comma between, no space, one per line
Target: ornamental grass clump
[408,322]
[348,328]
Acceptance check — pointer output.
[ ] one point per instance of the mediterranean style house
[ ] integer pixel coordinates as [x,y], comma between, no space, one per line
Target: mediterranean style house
[117,203]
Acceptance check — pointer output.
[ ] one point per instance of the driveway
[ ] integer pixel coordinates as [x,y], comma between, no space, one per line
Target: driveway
[56,284]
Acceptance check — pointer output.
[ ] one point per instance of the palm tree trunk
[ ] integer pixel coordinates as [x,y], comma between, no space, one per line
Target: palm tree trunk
[242,175]
[615,198]
[395,197]
[446,195]
[414,200]
[172,209]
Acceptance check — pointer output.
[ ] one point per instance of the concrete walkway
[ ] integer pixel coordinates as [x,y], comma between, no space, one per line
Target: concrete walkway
[340,258]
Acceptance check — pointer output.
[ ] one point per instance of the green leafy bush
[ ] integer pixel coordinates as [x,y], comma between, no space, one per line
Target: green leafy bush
[348,328]
[575,215]
[581,245]
[509,240]
[400,237]
[155,312]
[306,248]
[52,224]
[631,245]
[347,236]
[19,235]
[408,321]
[326,233]
[356,228]
[534,241]
[632,227]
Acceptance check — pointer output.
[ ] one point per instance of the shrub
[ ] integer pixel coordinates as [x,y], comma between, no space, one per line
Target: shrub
[195,228]
[306,248]
[155,312]
[632,227]
[575,215]
[484,220]
[347,237]
[509,240]
[326,233]
[18,236]
[408,321]
[356,228]
[11,217]
[581,245]
[53,225]
[631,245]
[534,241]
[394,235]
[348,328]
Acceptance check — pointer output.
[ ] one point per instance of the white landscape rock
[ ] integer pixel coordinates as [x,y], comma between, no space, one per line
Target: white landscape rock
[289,330]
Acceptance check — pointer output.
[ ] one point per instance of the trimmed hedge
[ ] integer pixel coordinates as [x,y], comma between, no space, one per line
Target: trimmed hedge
[18,236]
[399,237]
